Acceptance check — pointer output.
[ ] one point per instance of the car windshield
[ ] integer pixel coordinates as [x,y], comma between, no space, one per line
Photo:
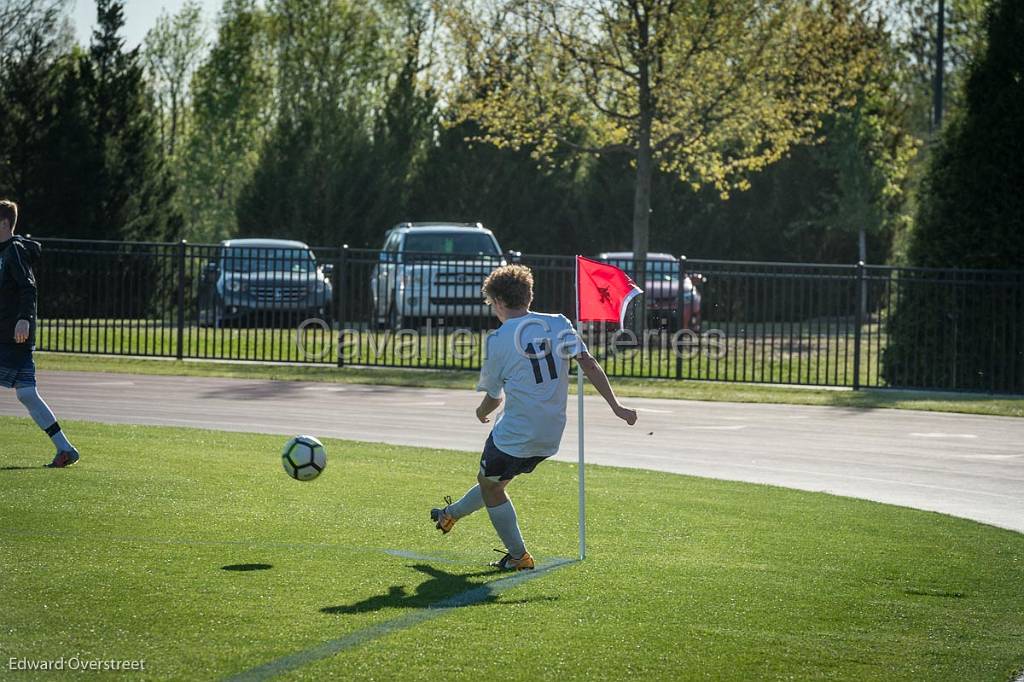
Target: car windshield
[268,260]
[455,243]
[657,270]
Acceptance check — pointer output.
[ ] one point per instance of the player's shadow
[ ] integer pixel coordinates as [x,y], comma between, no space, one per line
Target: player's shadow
[246,567]
[266,390]
[22,468]
[442,590]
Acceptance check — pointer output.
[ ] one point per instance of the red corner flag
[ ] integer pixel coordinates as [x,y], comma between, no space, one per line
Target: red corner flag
[603,292]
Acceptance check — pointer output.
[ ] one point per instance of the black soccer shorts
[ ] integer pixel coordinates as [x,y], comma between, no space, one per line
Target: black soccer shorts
[495,463]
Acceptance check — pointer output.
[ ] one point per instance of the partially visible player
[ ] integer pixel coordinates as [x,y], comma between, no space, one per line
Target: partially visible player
[17,330]
[527,359]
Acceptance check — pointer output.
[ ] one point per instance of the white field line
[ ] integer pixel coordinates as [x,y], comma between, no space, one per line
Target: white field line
[404,622]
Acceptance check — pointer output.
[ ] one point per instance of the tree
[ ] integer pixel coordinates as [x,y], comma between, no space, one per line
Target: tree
[317,177]
[868,153]
[328,51]
[173,49]
[79,134]
[20,21]
[914,24]
[971,215]
[29,81]
[972,210]
[135,194]
[403,127]
[531,209]
[233,110]
[709,92]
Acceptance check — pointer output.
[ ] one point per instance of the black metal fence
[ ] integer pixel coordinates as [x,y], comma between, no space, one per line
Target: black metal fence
[774,323]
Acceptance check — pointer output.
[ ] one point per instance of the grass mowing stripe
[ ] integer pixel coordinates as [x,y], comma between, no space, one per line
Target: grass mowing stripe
[231,543]
[354,639]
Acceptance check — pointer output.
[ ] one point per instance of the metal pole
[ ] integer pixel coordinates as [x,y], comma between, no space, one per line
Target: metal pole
[579,419]
[583,505]
[340,290]
[858,322]
[940,65]
[682,314]
[181,300]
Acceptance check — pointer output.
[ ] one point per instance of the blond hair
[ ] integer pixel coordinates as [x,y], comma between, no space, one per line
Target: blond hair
[510,284]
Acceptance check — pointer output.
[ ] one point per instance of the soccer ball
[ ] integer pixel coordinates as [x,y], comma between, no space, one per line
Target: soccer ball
[303,458]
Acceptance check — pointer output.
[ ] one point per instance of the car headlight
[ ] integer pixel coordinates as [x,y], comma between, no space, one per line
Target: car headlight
[234,286]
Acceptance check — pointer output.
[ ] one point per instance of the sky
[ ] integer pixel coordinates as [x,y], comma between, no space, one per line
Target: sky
[139,16]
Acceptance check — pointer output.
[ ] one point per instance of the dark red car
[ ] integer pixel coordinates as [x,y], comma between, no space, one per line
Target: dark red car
[669,305]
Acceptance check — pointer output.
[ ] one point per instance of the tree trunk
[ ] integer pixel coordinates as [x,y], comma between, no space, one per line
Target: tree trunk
[644,170]
[642,221]
[642,198]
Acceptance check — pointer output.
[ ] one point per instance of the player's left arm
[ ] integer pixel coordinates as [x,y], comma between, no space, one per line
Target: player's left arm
[27,292]
[595,374]
[486,407]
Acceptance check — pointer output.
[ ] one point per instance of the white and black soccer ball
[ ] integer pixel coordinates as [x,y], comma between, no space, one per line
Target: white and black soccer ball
[303,458]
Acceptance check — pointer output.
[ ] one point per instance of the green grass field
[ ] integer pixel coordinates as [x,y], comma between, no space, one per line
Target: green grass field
[140,551]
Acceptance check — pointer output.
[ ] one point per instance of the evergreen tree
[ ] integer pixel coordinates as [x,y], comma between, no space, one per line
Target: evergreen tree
[531,207]
[135,198]
[945,332]
[972,208]
[79,134]
[28,88]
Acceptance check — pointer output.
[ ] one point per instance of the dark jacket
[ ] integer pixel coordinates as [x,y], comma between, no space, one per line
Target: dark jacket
[18,286]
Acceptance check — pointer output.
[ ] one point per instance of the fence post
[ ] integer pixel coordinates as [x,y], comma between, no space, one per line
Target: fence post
[680,311]
[341,290]
[181,300]
[858,322]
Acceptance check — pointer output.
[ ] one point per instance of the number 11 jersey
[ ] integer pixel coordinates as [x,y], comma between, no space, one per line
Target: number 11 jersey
[528,358]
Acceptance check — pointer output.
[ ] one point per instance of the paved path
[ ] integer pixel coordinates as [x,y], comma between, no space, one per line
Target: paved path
[964,465]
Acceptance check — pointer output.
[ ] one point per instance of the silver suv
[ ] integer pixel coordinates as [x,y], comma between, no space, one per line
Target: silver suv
[433,271]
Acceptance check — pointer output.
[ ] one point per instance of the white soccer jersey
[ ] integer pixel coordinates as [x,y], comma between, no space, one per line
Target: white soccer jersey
[528,357]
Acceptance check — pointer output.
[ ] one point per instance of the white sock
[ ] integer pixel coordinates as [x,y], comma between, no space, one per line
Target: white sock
[503,518]
[468,504]
[43,417]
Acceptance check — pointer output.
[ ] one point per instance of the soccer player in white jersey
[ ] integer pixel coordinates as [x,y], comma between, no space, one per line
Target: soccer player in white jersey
[526,365]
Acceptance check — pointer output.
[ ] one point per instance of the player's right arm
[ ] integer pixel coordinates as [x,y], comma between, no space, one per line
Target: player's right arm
[491,382]
[595,374]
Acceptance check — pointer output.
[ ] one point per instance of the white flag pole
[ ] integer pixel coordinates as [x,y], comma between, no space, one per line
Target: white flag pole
[583,513]
[579,420]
